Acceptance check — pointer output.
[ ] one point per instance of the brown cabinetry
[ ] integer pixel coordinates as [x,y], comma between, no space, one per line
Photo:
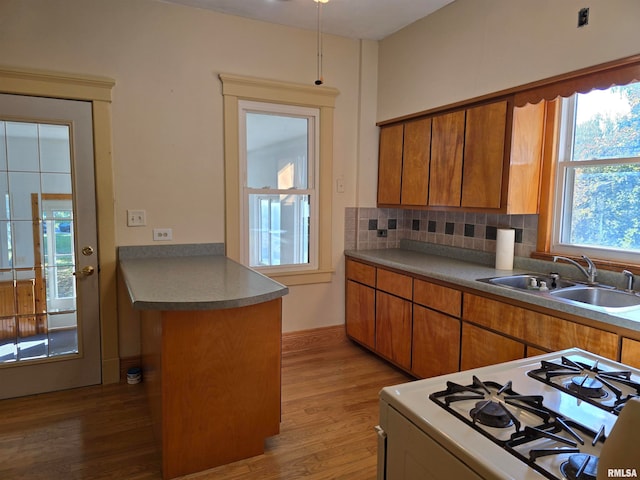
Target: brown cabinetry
[554,333]
[436,343]
[403,170]
[487,157]
[360,305]
[431,329]
[484,155]
[393,328]
[630,354]
[360,313]
[481,347]
[390,164]
[447,144]
[436,330]
[495,315]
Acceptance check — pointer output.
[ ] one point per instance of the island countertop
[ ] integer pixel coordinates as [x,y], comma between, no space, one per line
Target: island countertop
[198,280]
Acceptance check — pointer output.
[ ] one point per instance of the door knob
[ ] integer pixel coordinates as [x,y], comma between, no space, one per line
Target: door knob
[85,272]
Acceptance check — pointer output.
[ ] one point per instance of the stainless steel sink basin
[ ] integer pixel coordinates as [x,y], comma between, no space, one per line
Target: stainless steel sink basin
[523,282]
[604,297]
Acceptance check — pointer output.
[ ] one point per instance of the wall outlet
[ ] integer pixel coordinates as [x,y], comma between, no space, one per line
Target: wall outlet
[583,17]
[136,218]
[162,234]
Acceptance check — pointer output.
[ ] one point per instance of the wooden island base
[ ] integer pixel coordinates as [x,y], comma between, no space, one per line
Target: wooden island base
[213,381]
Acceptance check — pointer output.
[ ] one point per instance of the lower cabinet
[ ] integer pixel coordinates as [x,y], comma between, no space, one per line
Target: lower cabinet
[393,328]
[554,333]
[431,329]
[481,347]
[630,354]
[436,343]
[360,313]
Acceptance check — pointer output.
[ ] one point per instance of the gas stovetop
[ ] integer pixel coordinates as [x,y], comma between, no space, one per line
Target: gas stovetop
[543,416]
[550,443]
[604,386]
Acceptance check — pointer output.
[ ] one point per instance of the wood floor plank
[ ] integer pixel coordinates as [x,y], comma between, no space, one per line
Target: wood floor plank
[329,409]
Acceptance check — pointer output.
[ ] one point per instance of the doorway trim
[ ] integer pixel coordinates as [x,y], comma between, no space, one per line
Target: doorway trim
[97,90]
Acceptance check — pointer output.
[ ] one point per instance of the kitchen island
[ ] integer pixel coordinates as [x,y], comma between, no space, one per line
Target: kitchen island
[211,352]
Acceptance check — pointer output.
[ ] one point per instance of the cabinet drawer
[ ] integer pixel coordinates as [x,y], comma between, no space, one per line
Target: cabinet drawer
[557,334]
[444,299]
[361,272]
[495,315]
[395,283]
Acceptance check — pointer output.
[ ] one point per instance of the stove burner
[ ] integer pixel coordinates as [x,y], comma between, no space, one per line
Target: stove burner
[587,386]
[580,466]
[491,414]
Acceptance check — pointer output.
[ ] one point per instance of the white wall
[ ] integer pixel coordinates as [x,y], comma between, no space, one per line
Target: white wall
[470,48]
[167,112]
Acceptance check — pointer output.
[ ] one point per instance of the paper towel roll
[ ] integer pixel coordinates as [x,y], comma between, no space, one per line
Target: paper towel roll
[504,248]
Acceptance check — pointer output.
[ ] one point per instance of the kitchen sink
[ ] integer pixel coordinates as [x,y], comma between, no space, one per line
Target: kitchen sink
[524,281]
[604,297]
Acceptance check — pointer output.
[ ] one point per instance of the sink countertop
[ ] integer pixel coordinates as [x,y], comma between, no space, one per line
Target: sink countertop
[192,278]
[463,271]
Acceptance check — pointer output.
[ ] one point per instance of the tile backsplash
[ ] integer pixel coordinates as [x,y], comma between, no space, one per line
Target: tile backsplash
[367,228]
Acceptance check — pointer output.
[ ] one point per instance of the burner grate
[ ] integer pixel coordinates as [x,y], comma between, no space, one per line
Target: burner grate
[606,389]
[525,427]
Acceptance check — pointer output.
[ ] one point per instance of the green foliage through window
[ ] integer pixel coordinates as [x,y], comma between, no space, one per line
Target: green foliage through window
[602,174]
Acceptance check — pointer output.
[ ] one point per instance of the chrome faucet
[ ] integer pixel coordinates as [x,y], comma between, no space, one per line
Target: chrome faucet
[629,276]
[590,272]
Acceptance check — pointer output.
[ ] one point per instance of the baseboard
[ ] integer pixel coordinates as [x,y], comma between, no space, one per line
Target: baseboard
[294,342]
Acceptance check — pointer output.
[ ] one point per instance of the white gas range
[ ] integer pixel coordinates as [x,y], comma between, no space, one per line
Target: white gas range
[540,417]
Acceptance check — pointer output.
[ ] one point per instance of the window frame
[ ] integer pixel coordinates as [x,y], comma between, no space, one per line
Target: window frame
[313,131]
[564,173]
[236,88]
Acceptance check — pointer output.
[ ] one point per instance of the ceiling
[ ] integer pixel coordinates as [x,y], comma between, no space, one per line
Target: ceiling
[366,19]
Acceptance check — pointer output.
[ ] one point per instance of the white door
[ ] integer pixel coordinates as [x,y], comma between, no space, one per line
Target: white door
[49,299]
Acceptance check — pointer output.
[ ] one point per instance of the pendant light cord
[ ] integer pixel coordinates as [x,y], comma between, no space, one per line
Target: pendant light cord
[319,80]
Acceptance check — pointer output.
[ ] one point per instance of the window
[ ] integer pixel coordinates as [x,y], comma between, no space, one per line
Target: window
[284,229]
[598,174]
[278,194]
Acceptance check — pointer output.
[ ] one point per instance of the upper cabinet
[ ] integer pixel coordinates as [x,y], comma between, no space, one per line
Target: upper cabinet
[403,170]
[447,144]
[483,158]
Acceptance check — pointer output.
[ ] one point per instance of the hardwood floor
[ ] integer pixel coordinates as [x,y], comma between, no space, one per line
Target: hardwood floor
[329,409]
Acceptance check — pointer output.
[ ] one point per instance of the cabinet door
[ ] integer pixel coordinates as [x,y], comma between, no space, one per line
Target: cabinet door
[393,328]
[630,354]
[390,164]
[436,343]
[447,142]
[481,347]
[415,162]
[360,313]
[484,150]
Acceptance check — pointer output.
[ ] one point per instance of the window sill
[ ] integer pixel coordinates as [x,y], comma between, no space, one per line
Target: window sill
[302,278]
[600,263]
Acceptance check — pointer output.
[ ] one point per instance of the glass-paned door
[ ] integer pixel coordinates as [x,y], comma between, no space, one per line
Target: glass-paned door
[49,324]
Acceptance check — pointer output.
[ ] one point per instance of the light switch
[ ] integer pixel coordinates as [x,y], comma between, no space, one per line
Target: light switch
[136,218]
